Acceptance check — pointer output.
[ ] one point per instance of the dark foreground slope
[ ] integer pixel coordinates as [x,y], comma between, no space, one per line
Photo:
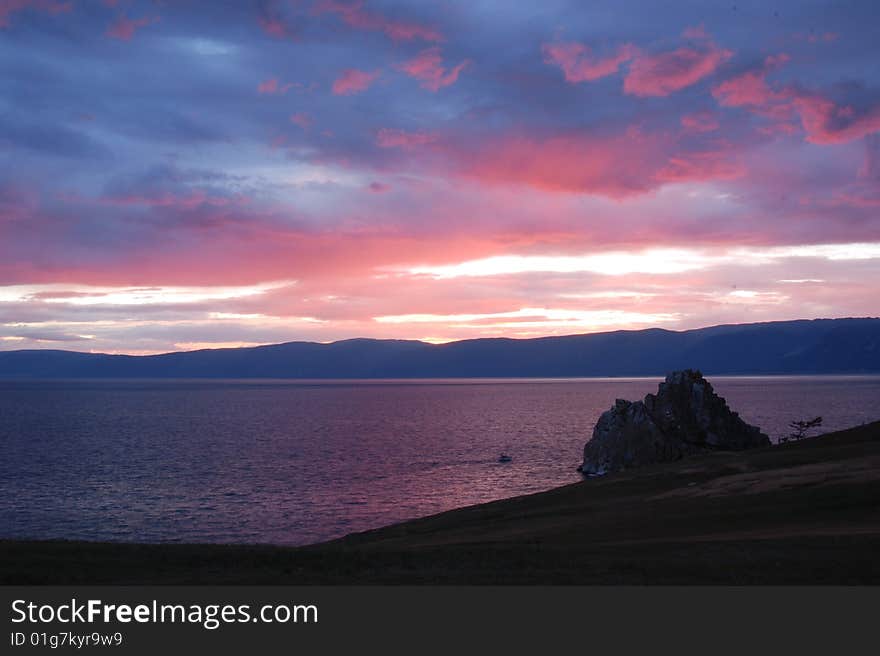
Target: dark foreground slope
[820,346]
[807,512]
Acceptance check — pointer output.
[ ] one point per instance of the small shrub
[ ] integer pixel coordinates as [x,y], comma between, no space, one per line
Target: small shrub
[800,428]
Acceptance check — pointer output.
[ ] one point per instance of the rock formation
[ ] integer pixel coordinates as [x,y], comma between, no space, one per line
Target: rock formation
[684,417]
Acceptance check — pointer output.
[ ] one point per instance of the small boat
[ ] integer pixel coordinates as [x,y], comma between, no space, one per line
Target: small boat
[504,458]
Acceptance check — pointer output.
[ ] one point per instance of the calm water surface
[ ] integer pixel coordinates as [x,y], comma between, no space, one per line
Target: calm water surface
[297,462]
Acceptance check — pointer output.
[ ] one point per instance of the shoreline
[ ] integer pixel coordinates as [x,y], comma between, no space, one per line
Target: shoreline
[427,379]
[803,512]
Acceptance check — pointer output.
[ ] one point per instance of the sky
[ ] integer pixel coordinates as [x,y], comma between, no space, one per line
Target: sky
[180,174]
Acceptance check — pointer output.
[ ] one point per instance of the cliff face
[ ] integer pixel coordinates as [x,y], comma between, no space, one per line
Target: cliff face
[684,417]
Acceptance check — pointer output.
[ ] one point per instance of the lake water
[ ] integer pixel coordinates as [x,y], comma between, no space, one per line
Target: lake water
[292,462]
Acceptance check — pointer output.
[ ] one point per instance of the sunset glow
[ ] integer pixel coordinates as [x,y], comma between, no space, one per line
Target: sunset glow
[175,179]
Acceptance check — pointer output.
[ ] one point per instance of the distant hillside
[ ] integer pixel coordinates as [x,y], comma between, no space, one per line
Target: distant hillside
[786,347]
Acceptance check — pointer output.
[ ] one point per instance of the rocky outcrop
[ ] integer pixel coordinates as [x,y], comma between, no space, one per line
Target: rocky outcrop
[685,417]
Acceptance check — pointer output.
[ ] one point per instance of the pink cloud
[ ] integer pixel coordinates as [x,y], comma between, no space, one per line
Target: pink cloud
[124,28]
[700,122]
[611,166]
[700,166]
[273,86]
[824,120]
[9,7]
[355,15]
[667,72]
[427,67]
[657,74]
[775,61]
[827,122]
[868,198]
[617,166]
[273,22]
[268,86]
[336,266]
[747,89]
[301,119]
[392,138]
[276,28]
[751,87]
[578,64]
[378,187]
[353,81]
